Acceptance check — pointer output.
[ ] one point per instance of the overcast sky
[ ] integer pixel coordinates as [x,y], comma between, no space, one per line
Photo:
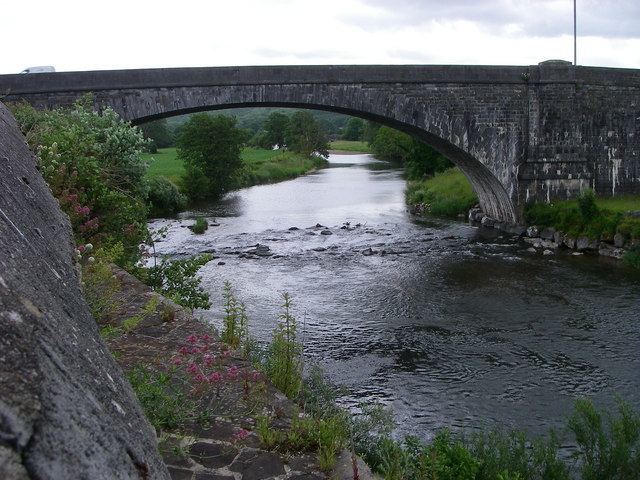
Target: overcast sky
[114,34]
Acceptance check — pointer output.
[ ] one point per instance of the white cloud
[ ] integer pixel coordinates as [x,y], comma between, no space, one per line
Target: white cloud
[85,35]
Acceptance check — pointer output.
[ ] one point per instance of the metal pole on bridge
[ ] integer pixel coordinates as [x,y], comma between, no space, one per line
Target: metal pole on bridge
[575,41]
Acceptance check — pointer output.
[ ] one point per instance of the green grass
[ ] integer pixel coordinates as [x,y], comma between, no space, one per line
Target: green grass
[446,194]
[601,222]
[260,166]
[166,164]
[350,146]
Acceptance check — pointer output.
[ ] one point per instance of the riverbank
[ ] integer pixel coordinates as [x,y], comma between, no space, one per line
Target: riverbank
[603,226]
[260,166]
[446,194]
[209,424]
[348,147]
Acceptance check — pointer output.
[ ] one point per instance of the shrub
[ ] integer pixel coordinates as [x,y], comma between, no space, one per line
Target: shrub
[447,193]
[200,226]
[99,283]
[632,256]
[608,448]
[165,197]
[178,280]
[93,166]
[587,205]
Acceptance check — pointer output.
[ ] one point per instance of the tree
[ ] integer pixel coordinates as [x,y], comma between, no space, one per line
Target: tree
[210,148]
[370,130]
[275,128]
[354,129]
[391,145]
[159,134]
[305,136]
[423,160]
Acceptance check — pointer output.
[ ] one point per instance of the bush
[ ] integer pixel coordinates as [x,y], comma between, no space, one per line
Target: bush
[632,257]
[200,226]
[93,166]
[165,197]
[608,448]
[178,281]
[235,331]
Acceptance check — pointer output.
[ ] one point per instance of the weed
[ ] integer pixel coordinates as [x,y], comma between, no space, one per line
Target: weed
[200,226]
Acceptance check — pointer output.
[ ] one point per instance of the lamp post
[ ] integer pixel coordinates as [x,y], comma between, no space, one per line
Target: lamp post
[575,42]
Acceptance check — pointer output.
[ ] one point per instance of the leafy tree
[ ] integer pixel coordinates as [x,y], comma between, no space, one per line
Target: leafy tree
[158,133]
[354,129]
[423,160]
[391,145]
[305,136]
[210,148]
[370,130]
[275,129]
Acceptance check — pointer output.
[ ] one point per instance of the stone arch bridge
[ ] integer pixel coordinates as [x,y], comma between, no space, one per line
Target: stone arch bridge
[519,133]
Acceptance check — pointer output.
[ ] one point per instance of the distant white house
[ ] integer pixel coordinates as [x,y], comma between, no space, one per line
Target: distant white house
[41,69]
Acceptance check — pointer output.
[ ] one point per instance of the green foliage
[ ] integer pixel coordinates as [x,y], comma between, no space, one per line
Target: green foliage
[210,148]
[370,131]
[446,194]
[165,197]
[609,448]
[93,166]
[200,226]
[349,146]
[304,135]
[164,405]
[283,364]
[178,281]
[583,217]
[423,161]
[235,331]
[275,128]
[99,283]
[158,134]
[391,145]
[587,205]
[632,257]
[354,130]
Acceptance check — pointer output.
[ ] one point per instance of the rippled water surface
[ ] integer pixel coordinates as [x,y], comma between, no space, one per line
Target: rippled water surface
[449,324]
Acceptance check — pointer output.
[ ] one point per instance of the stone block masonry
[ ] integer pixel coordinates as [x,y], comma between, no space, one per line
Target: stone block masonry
[66,409]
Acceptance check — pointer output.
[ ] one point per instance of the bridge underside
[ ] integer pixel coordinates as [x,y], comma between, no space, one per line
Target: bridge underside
[518,133]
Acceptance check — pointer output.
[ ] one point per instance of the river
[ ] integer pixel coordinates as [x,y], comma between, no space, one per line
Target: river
[448,324]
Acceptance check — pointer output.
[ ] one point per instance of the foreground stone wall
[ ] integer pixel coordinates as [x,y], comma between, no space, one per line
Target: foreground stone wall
[66,410]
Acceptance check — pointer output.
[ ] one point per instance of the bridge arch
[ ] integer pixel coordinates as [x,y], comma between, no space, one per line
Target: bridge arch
[426,126]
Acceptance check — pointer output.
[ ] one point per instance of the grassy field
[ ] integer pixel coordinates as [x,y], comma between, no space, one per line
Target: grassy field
[446,194]
[260,166]
[349,146]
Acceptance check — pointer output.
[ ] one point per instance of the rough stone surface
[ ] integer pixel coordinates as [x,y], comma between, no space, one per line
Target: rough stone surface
[67,411]
[548,233]
[520,133]
[619,240]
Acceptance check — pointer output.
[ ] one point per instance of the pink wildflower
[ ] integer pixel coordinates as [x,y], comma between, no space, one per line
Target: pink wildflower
[241,434]
[176,360]
[226,353]
[215,377]
[183,350]
[194,350]
[205,337]
[192,338]
[200,378]
[232,372]
[208,360]
[192,368]
[255,376]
